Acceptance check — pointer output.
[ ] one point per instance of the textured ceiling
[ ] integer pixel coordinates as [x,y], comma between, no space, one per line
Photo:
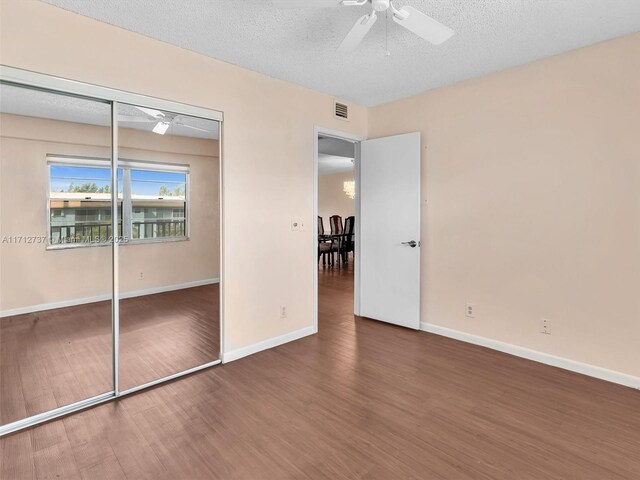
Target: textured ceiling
[36,103]
[299,45]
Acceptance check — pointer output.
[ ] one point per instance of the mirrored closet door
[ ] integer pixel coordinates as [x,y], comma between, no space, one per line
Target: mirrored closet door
[55,251]
[109,245]
[169,261]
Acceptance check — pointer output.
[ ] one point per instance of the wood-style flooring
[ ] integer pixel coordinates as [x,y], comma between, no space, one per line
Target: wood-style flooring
[53,358]
[359,400]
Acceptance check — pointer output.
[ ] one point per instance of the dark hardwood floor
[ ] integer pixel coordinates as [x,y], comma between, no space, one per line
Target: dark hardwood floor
[57,357]
[360,400]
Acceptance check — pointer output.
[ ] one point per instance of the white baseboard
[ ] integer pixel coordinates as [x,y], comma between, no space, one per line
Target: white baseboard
[100,298]
[266,344]
[536,356]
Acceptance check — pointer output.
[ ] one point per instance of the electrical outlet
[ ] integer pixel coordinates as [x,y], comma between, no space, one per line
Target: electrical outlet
[301,226]
[470,310]
[283,311]
[295,225]
[141,275]
[545,326]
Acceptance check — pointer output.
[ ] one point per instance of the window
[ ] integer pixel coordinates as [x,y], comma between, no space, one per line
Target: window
[152,202]
[159,204]
[79,204]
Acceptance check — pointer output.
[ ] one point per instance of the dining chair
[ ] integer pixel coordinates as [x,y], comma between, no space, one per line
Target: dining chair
[335,221]
[326,248]
[320,226]
[347,244]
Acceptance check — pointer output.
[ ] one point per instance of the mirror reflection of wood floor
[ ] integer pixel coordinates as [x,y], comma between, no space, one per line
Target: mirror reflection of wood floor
[360,400]
[57,357]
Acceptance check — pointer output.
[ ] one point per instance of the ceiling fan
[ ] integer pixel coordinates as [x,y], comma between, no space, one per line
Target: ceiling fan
[162,120]
[408,17]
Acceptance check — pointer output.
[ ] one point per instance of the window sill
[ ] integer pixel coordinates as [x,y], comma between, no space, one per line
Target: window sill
[146,241]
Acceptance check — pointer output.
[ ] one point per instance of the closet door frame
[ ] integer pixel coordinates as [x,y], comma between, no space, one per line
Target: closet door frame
[53,84]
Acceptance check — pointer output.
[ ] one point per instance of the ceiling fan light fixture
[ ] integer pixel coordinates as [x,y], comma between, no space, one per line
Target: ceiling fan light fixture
[380,5]
[161,128]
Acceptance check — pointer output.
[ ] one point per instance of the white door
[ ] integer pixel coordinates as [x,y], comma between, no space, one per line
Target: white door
[390,229]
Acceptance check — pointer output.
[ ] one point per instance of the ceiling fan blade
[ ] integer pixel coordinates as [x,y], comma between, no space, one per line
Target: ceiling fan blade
[123,118]
[157,114]
[422,25]
[306,3]
[191,127]
[161,128]
[358,32]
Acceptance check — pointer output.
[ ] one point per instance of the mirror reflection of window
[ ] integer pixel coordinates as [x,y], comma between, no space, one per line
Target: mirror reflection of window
[79,205]
[159,202]
[154,200]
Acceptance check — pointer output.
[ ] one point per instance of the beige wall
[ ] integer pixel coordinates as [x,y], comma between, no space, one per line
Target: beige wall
[532,184]
[331,197]
[29,271]
[268,149]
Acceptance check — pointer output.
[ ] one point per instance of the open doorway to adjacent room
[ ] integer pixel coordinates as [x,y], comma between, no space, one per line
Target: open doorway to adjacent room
[367,221]
[336,214]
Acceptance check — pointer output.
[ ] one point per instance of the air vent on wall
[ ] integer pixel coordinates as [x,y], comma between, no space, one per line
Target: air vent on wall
[341,111]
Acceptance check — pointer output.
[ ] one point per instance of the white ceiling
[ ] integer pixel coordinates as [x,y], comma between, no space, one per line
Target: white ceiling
[36,103]
[335,155]
[299,45]
[336,146]
[328,164]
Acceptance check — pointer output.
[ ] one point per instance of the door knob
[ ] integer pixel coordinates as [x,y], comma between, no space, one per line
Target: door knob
[412,243]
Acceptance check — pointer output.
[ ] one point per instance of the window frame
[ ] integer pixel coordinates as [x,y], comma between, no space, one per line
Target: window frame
[123,163]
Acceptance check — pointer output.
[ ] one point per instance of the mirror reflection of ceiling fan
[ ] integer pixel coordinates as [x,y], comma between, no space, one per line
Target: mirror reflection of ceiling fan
[408,17]
[162,120]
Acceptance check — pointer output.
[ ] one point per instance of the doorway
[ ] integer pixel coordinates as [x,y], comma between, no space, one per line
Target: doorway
[383,278]
[336,213]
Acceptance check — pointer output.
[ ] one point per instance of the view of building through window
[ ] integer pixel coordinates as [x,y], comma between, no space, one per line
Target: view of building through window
[158,201]
[152,203]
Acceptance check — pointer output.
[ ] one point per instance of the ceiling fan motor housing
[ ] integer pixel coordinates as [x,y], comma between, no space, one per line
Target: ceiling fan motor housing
[380,5]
